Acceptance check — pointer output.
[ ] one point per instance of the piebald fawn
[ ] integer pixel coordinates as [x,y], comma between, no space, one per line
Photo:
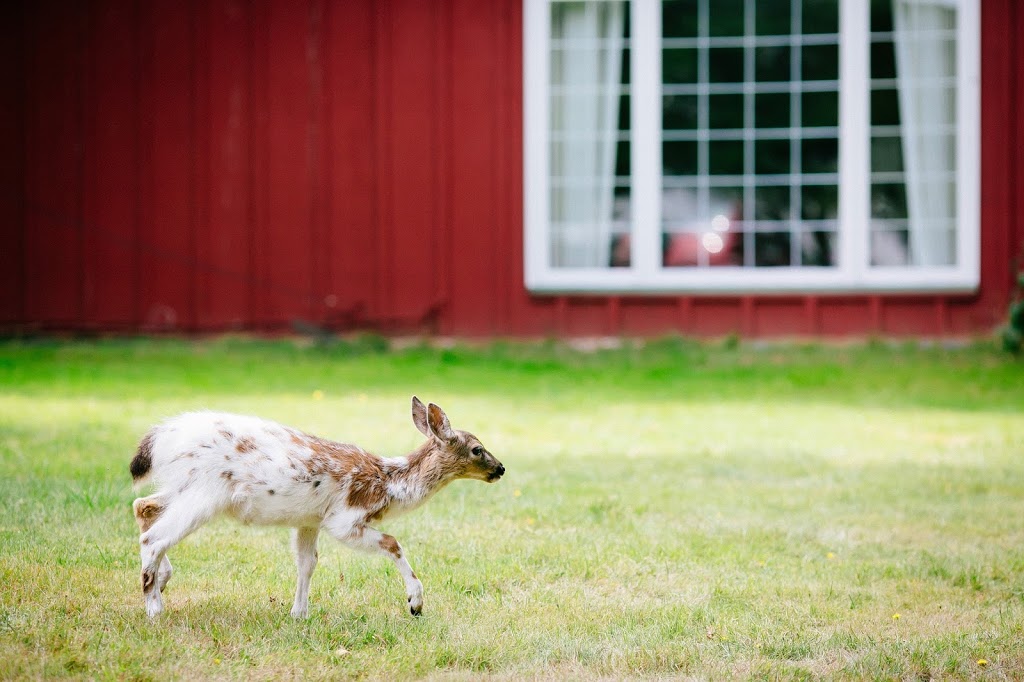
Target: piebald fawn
[207,463]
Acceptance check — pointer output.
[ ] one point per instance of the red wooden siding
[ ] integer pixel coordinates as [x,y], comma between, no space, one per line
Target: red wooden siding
[241,164]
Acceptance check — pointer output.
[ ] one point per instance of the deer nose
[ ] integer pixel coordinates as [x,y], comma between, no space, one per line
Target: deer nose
[501,470]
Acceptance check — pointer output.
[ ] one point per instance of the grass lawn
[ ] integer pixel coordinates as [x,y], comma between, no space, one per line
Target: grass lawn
[680,510]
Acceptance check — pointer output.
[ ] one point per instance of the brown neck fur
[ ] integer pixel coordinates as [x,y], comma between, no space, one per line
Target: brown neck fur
[428,469]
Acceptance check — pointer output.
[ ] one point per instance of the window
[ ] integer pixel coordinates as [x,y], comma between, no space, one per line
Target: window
[742,145]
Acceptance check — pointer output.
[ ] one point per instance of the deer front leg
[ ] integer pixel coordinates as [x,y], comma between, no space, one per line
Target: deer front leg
[304,540]
[371,540]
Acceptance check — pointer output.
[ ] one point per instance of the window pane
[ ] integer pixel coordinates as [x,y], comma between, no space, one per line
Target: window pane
[726,111]
[771,202]
[887,154]
[819,109]
[771,157]
[772,249]
[820,155]
[888,200]
[679,112]
[772,63]
[771,109]
[773,19]
[679,158]
[739,151]
[589,153]
[819,202]
[890,245]
[820,62]
[679,65]
[727,17]
[885,107]
[914,138]
[883,59]
[679,18]
[726,64]
[818,248]
[726,157]
[820,16]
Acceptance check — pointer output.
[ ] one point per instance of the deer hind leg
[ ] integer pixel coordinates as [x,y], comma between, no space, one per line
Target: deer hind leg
[147,510]
[174,521]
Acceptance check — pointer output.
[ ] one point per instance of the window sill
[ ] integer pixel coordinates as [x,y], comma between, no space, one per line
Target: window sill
[730,281]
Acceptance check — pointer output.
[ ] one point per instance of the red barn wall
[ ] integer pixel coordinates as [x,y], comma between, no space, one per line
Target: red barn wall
[242,164]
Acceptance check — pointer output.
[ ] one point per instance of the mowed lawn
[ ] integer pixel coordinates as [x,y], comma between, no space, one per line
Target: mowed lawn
[673,511]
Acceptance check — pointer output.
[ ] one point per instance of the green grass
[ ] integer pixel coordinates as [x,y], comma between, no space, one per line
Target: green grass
[679,510]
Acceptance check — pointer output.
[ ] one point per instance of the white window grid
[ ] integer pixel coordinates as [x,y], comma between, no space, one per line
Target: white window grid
[854,177]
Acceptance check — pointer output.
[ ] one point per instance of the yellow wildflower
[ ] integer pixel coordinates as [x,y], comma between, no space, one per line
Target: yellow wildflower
[318,394]
[982,662]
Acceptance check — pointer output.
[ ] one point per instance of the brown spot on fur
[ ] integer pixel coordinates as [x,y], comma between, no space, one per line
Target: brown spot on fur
[390,545]
[345,463]
[270,492]
[414,575]
[245,444]
[227,475]
[147,511]
[226,434]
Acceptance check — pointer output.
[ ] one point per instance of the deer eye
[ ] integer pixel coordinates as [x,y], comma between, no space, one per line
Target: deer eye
[478,450]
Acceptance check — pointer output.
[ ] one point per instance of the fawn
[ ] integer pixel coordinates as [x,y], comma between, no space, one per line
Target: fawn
[258,471]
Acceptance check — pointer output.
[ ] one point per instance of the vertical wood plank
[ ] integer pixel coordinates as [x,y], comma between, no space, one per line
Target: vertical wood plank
[319,161]
[166,258]
[224,234]
[258,171]
[110,197]
[1017,172]
[353,191]
[288,277]
[474,82]
[410,168]
[382,199]
[53,240]
[12,173]
[998,109]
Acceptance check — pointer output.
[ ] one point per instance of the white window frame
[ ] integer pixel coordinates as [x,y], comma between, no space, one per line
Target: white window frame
[852,274]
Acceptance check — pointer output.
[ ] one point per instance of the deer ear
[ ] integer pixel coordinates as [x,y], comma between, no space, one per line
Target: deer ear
[419,417]
[437,420]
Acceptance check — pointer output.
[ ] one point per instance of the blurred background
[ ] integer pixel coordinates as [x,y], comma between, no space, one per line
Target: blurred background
[512,168]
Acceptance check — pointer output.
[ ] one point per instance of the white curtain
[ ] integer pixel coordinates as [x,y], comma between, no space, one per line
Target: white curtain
[586,74]
[925,55]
